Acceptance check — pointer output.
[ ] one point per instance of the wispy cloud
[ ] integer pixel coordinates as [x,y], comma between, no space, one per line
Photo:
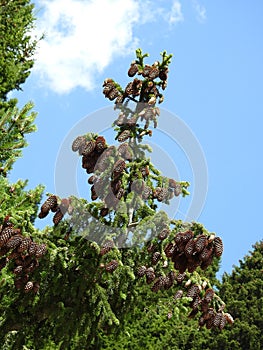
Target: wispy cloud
[200,11]
[176,15]
[83,36]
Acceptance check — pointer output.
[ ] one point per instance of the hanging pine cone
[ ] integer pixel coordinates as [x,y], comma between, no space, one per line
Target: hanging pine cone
[181,263]
[113,93]
[57,217]
[163,234]
[111,266]
[104,212]
[200,243]
[91,179]
[24,245]
[125,151]
[217,319]
[193,291]
[206,253]
[106,247]
[189,248]
[100,144]
[218,247]
[178,294]
[40,250]
[78,143]
[163,74]
[119,167]
[124,135]
[18,270]
[5,235]
[141,271]
[209,295]
[169,250]
[169,279]
[132,70]
[28,287]
[180,277]
[158,284]
[146,192]
[153,74]
[88,148]
[156,257]
[150,275]
[222,323]
[146,71]
[32,249]
[14,242]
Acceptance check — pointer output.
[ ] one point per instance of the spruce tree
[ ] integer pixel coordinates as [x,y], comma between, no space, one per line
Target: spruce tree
[82,275]
[243,292]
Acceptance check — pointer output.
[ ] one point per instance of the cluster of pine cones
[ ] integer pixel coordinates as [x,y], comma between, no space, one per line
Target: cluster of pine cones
[111,266]
[109,164]
[188,252]
[201,302]
[51,204]
[147,88]
[23,251]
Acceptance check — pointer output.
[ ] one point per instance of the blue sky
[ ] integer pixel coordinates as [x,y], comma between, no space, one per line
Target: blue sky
[215,86]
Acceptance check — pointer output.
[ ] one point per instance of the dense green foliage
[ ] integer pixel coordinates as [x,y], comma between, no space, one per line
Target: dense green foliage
[241,290]
[104,276]
[16,45]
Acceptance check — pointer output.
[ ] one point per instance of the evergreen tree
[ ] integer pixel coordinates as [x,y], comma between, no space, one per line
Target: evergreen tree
[59,287]
[243,292]
[16,45]
[91,264]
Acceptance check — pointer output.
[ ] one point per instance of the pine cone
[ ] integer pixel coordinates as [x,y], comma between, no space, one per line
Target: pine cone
[163,234]
[189,248]
[163,74]
[180,277]
[156,257]
[193,291]
[200,243]
[111,266]
[40,250]
[24,245]
[100,144]
[104,212]
[124,135]
[28,287]
[18,270]
[141,271]
[158,284]
[5,235]
[106,247]
[14,242]
[218,247]
[209,295]
[150,275]
[169,250]
[32,249]
[178,294]
[132,70]
[217,319]
[154,73]
[119,167]
[57,217]
[88,148]
[78,143]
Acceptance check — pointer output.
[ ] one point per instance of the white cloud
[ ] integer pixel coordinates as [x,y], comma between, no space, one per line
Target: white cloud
[83,36]
[176,15]
[200,11]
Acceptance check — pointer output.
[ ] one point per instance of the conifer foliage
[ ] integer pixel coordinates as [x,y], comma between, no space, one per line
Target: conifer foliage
[61,285]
